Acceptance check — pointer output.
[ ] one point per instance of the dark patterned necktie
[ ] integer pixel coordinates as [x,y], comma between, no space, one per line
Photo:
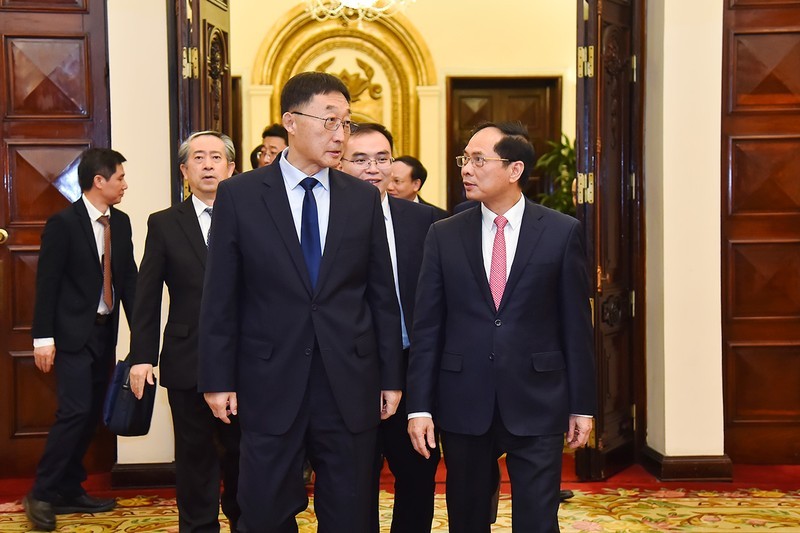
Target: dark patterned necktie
[208,210]
[309,231]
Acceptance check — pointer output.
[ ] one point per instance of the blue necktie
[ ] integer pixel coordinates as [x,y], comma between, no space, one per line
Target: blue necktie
[309,231]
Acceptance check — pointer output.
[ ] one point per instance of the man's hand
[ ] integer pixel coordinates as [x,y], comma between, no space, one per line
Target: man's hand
[579,429]
[139,373]
[222,404]
[44,357]
[389,401]
[420,430]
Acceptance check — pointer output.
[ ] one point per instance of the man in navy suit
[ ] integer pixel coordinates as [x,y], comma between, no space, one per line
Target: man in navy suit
[175,255]
[86,269]
[299,323]
[368,156]
[502,355]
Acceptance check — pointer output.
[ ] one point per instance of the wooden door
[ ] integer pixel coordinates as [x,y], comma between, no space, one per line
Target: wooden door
[200,76]
[609,160]
[536,102]
[54,105]
[761,230]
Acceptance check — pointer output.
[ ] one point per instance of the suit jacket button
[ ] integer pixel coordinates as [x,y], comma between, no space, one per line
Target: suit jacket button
[498,323]
[314,307]
[308,351]
[491,356]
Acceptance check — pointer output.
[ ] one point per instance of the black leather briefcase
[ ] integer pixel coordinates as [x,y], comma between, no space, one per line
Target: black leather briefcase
[123,414]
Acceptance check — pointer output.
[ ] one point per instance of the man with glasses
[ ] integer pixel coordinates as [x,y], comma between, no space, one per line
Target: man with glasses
[408,177]
[368,156]
[300,327]
[502,355]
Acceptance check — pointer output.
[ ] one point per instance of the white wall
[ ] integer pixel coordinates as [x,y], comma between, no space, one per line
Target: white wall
[140,131]
[682,191]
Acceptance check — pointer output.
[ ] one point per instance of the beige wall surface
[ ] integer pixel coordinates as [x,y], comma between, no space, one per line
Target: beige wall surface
[525,38]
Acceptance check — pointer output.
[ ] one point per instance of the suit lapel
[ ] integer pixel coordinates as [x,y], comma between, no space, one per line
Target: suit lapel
[530,232]
[337,222]
[86,227]
[187,220]
[275,198]
[471,237]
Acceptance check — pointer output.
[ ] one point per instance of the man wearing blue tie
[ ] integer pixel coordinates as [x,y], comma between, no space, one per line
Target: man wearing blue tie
[300,328]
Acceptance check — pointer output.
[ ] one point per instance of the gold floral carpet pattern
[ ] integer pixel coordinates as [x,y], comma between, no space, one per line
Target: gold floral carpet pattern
[606,510]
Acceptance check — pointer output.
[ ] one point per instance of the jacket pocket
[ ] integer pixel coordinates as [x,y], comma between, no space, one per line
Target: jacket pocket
[366,345]
[451,362]
[548,361]
[174,329]
[256,348]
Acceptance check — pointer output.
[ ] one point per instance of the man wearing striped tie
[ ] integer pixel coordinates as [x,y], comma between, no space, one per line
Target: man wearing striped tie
[175,256]
[502,356]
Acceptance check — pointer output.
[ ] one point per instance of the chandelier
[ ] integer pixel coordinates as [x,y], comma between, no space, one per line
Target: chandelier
[354,10]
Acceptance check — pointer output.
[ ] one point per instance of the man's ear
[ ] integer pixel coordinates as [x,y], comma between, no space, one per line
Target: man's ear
[416,184]
[517,167]
[288,123]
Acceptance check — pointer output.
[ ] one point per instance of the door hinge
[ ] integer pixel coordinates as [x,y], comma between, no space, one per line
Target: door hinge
[586,61]
[633,303]
[585,188]
[191,66]
[633,68]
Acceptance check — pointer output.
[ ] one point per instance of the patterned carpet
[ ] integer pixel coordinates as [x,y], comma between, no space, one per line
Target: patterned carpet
[605,510]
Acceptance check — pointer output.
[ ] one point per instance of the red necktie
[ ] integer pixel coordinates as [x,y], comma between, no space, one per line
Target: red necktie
[108,296]
[497,271]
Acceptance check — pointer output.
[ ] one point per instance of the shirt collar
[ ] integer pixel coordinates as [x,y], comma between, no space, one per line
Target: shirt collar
[199,206]
[513,215]
[387,213]
[292,176]
[94,213]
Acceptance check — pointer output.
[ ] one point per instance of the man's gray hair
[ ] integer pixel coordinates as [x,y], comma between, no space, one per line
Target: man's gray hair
[183,151]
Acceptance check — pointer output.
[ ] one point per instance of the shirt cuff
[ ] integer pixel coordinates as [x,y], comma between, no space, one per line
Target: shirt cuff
[39,343]
[582,416]
[420,414]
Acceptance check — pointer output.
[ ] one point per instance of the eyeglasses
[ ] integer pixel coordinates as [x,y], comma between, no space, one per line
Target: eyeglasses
[381,162]
[477,161]
[331,123]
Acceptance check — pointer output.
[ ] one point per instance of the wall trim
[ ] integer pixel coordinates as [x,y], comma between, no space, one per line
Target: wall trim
[142,475]
[687,467]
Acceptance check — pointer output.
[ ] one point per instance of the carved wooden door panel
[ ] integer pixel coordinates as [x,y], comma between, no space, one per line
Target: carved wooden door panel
[761,231]
[609,104]
[536,102]
[54,105]
[203,81]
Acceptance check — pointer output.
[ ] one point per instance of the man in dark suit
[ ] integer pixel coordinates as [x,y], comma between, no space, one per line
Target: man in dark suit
[175,256]
[86,268]
[408,177]
[299,324]
[502,354]
[368,156]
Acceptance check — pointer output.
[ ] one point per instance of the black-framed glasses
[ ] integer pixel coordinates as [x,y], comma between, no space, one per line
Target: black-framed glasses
[477,161]
[331,123]
[363,162]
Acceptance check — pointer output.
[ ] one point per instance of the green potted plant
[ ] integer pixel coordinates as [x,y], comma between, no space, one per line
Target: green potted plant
[559,165]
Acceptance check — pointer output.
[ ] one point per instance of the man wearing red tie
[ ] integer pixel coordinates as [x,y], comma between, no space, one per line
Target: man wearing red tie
[502,357]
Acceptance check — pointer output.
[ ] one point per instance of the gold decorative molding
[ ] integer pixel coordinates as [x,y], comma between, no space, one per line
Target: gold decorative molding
[384,61]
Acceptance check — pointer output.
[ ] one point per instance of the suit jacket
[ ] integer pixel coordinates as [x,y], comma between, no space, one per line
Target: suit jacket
[440,213]
[261,322]
[411,222]
[175,255]
[69,277]
[533,356]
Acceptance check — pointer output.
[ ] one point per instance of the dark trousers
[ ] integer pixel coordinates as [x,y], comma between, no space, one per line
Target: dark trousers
[414,477]
[534,467]
[203,447]
[271,488]
[81,382]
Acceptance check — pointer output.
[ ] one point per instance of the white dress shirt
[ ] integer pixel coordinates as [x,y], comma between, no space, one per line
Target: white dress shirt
[387,219]
[202,216]
[291,180]
[97,229]
[510,232]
